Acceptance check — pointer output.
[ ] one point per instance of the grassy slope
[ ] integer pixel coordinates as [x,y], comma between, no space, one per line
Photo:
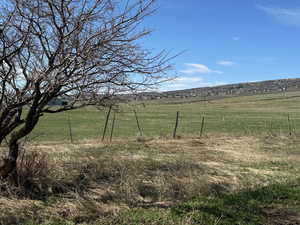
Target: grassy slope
[231,175]
[239,115]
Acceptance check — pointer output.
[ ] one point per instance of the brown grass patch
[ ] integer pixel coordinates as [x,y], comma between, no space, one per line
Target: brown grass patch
[93,179]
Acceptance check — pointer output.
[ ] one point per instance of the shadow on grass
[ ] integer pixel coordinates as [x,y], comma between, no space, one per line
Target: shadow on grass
[275,204]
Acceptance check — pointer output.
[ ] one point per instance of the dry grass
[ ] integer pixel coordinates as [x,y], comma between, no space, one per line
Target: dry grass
[91,180]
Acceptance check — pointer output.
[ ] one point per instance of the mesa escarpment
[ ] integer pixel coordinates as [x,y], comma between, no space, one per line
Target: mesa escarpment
[240,89]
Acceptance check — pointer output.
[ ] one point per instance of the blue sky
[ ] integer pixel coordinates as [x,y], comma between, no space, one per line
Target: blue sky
[227,41]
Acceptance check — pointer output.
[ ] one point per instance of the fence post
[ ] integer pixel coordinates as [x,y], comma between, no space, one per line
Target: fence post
[106,122]
[137,122]
[112,127]
[70,127]
[176,125]
[289,124]
[202,126]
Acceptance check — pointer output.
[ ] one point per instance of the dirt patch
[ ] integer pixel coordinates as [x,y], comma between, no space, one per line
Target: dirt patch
[281,216]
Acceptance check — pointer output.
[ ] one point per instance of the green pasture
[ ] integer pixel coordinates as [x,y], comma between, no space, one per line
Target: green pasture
[237,115]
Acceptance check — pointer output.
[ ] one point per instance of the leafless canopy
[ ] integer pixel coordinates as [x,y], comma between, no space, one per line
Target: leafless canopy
[86,50]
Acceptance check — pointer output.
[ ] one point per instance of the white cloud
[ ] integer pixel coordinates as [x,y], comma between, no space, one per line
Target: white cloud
[283,15]
[226,63]
[198,68]
[182,83]
[236,38]
[188,79]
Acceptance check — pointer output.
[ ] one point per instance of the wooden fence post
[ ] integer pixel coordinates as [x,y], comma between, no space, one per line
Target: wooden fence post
[137,122]
[106,122]
[70,127]
[289,124]
[176,125]
[112,127]
[202,126]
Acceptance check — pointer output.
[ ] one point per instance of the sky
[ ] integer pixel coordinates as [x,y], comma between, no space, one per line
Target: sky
[226,41]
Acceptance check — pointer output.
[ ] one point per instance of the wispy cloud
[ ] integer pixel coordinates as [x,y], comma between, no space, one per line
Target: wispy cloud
[181,83]
[226,63]
[236,38]
[287,16]
[198,68]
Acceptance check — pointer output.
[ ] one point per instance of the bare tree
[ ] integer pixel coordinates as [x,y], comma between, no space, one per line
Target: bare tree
[83,50]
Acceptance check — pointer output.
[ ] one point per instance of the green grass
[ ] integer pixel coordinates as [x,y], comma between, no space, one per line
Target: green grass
[238,115]
[244,171]
[246,180]
[245,208]
[274,204]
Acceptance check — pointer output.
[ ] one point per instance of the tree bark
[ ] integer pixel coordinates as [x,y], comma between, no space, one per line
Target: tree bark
[10,164]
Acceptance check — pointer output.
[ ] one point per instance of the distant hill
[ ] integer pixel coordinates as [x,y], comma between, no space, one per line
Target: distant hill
[240,89]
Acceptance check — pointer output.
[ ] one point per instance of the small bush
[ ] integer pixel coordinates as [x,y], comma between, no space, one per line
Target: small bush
[33,174]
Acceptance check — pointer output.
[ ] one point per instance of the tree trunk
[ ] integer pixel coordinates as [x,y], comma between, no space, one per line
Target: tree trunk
[9,166]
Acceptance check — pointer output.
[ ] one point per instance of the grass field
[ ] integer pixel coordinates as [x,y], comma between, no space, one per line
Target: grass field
[239,115]
[221,179]
[245,169]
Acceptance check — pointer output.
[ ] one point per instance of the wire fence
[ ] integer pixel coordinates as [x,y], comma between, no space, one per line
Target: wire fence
[113,124]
